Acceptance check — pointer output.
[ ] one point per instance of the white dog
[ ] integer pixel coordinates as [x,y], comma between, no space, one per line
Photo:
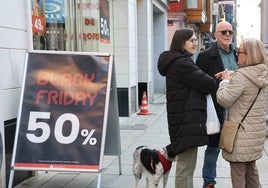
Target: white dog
[154,164]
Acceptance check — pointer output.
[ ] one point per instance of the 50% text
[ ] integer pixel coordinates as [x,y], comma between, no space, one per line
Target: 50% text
[35,125]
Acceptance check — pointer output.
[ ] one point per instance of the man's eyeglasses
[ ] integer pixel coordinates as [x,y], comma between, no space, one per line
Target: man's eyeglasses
[194,41]
[224,32]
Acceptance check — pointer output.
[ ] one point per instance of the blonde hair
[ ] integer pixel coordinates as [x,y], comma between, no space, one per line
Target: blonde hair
[255,51]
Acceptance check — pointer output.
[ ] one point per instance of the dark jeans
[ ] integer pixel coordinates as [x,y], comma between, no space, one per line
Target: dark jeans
[210,164]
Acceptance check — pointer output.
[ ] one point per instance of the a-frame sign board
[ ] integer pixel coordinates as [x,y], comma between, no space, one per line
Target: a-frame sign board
[63,119]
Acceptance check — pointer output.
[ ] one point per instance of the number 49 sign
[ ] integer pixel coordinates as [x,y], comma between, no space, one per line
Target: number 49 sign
[63,112]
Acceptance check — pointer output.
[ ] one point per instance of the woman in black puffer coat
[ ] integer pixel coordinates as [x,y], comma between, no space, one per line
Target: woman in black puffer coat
[186,90]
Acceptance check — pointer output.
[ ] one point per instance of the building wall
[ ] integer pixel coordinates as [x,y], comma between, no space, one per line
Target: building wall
[135,45]
[160,44]
[144,27]
[125,50]
[138,36]
[13,45]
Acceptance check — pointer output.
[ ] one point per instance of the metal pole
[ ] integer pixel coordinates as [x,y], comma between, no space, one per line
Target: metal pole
[235,21]
[99,180]
[120,164]
[264,39]
[264,25]
[11,177]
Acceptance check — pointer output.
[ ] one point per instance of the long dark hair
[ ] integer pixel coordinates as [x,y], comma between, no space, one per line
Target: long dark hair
[179,39]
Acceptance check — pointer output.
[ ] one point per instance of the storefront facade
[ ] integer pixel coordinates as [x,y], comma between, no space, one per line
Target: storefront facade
[124,28]
[133,30]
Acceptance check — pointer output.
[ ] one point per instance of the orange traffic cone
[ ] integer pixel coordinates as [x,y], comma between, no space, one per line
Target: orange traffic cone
[144,106]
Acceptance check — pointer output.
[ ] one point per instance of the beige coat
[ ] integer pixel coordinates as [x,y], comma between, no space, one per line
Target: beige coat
[236,96]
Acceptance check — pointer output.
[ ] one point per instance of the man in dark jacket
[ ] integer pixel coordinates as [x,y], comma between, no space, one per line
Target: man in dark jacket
[219,57]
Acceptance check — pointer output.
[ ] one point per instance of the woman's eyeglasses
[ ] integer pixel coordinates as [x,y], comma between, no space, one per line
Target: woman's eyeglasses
[239,52]
[194,41]
[224,32]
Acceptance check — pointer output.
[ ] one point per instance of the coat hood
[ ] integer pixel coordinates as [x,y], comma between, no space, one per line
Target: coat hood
[166,58]
[258,74]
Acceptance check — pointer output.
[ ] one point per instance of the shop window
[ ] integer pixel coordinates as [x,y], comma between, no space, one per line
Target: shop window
[71,25]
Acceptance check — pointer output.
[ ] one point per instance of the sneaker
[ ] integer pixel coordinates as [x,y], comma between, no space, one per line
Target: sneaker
[210,185]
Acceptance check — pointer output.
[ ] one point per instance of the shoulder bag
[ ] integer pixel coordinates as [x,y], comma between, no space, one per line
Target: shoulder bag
[230,129]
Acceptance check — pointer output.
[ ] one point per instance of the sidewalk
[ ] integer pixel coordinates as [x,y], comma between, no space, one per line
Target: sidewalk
[150,130]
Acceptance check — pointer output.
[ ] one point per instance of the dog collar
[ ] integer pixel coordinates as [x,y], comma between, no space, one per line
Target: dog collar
[165,162]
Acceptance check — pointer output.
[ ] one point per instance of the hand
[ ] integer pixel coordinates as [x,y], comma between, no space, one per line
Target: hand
[224,75]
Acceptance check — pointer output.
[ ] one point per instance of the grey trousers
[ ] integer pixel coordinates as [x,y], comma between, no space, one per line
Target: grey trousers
[186,163]
[244,175]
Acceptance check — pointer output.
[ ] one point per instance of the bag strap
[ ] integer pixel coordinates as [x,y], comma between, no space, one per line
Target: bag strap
[251,106]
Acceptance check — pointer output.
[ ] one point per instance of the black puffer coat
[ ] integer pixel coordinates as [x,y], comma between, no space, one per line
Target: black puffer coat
[186,90]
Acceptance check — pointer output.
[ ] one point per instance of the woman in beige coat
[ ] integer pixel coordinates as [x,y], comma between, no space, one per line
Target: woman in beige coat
[236,93]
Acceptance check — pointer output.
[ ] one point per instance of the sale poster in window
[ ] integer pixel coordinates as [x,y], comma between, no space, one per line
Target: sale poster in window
[63,112]
[38,17]
[104,22]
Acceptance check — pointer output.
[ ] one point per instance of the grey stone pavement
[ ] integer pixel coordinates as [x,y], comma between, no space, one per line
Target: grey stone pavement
[150,130]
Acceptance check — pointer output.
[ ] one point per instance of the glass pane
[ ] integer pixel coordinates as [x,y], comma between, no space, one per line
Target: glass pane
[72,25]
[204,5]
[192,4]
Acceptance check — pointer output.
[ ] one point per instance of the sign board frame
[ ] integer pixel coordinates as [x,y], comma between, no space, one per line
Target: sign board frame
[57,76]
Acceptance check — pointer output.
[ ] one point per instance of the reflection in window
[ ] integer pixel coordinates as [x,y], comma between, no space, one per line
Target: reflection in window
[192,4]
[71,25]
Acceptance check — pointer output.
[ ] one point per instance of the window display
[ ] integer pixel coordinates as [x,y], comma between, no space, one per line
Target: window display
[71,25]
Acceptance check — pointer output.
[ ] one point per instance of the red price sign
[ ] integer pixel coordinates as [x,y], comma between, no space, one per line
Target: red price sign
[39,25]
